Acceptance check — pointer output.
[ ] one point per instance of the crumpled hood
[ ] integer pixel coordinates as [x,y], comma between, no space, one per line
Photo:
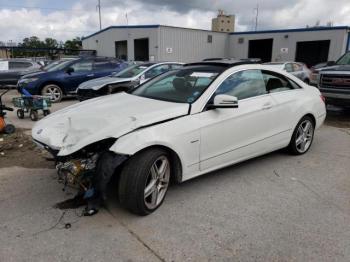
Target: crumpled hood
[98,83]
[79,125]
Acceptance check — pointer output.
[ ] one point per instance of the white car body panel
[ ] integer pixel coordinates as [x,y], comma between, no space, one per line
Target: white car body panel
[203,140]
[69,130]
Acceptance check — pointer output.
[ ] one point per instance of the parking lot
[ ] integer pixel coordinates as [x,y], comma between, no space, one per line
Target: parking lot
[274,208]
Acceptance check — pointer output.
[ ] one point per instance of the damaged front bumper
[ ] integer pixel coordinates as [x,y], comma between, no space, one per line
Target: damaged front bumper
[88,170]
[77,173]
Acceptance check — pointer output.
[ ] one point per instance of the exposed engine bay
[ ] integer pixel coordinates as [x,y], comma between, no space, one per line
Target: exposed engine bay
[88,171]
[77,173]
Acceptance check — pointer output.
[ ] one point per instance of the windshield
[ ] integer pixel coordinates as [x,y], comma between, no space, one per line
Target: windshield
[55,66]
[181,86]
[130,71]
[344,60]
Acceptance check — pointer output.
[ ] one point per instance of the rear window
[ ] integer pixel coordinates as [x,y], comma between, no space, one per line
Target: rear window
[19,65]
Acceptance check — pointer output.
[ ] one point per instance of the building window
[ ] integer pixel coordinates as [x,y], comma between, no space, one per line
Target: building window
[222,29]
[222,21]
[228,21]
[210,39]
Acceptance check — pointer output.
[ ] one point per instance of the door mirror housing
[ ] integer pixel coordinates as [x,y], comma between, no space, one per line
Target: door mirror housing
[224,101]
[69,70]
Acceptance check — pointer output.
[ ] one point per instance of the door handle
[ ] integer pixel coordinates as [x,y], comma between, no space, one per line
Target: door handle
[267,106]
[90,75]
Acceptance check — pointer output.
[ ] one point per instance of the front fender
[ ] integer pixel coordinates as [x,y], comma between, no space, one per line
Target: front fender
[132,143]
[183,141]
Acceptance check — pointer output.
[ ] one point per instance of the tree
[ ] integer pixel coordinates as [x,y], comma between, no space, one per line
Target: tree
[50,43]
[75,43]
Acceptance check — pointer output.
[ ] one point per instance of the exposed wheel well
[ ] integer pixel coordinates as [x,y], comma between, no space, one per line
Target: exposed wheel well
[176,174]
[312,117]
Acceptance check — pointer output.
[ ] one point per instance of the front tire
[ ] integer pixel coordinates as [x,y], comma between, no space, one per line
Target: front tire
[53,91]
[144,181]
[302,137]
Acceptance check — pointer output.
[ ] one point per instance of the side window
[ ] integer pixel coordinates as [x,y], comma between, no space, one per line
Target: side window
[175,66]
[277,83]
[82,66]
[156,71]
[289,67]
[19,65]
[244,84]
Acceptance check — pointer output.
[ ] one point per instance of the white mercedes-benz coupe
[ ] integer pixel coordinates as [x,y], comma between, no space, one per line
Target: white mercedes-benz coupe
[179,125]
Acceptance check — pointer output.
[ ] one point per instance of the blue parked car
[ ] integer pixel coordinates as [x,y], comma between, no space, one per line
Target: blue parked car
[63,78]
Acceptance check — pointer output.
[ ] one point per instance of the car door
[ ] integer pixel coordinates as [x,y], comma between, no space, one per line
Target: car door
[231,135]
[78,73]
[104,67]
[286,96]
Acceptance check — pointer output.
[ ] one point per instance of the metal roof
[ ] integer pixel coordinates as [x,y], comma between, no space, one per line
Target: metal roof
[147,26]
[325,28]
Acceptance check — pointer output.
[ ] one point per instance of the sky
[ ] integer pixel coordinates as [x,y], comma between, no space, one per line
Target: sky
[66,19]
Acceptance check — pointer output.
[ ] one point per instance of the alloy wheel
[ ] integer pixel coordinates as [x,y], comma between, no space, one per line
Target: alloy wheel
[52,91]
[304,136]
[157,182]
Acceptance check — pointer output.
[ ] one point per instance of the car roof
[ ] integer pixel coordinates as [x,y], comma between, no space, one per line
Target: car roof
[222,63]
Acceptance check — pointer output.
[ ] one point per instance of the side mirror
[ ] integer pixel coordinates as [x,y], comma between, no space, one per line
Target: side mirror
[224,101]
[330,63]
[69,70]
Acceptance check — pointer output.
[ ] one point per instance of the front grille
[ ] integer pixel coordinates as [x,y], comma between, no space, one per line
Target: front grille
[335,81]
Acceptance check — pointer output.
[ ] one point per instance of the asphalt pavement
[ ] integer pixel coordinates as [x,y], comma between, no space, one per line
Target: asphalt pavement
[273,208]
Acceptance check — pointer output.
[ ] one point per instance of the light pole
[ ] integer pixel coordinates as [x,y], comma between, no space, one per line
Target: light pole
[256,17]
[99,12]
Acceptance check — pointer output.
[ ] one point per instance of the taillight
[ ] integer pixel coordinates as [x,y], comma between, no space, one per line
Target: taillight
[323,98]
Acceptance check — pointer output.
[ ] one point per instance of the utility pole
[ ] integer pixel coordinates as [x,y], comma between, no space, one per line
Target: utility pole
[99,12]
[256,17]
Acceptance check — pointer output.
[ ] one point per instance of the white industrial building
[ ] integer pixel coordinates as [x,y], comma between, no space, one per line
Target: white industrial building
[167,43]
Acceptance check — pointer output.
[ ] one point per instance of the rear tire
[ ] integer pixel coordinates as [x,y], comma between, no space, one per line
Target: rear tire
[302,137]
[47,112]
[9,129]
[144,181]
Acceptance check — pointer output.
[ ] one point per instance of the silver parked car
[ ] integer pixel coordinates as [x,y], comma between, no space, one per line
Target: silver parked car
[297,69]
[15,68]
[124,80]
